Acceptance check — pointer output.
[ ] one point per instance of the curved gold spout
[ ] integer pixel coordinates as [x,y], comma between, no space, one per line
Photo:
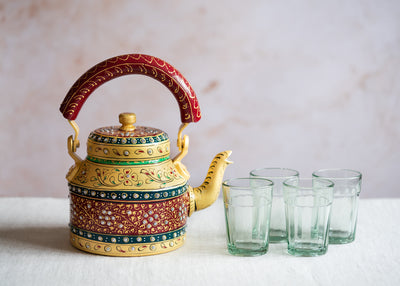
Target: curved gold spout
[205,195]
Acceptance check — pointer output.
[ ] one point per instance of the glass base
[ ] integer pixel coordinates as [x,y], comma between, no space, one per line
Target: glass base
[307,249]
[247,249]
[340,237]
[277,236]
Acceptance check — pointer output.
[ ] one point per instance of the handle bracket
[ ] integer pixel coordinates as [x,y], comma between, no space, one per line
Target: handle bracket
[183,145]
[73,142]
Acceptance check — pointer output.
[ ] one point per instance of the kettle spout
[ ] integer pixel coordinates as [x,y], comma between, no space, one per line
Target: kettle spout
[205,195]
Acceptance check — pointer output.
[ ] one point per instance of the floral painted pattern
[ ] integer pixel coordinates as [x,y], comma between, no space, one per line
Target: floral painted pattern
[129,219]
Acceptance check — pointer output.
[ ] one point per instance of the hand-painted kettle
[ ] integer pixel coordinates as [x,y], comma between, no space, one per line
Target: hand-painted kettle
[128,197]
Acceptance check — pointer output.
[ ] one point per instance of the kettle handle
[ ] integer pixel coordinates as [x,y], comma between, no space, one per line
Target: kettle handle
[132,64]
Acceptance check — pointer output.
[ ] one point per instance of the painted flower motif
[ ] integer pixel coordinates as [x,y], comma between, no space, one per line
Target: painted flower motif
[82,177]
[114,177]
[159,176]
[129,178]
[139,152]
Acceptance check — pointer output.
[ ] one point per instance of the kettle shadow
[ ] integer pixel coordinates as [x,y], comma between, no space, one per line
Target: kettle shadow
[37,238]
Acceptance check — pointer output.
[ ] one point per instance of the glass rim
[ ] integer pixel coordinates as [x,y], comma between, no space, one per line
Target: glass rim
[329,183]
[228,182]
[296,173]
[356,174]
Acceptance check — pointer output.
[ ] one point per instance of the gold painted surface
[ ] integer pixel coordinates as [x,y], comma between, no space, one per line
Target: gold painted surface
[183,147]
[114,249]
[73,143]
[138,177]
[76,143]
[128,152]
[72,146]
[192,199]
[127,120]
[208,192]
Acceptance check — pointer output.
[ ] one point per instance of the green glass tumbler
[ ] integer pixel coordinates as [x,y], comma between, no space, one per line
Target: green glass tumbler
[247,203]
[307,210]
[277,226]
[345,203]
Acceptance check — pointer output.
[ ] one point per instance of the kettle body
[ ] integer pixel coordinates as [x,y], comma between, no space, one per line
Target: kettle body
[128,197]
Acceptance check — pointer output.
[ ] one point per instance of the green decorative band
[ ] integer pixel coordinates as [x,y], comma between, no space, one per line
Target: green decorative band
[128,239]
[125,163]
[128,140]
[128,195]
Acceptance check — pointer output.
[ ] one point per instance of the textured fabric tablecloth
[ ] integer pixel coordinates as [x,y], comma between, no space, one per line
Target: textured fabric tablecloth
[35,250]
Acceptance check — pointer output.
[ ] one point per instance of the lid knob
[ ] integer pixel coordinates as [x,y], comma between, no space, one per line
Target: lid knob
[127,120]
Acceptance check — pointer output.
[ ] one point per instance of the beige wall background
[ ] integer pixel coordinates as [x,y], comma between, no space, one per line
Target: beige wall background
[300,84]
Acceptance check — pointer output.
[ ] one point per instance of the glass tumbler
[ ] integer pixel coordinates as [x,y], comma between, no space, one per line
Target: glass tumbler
[307,209]
[247,203]
[277,226]
[345,203]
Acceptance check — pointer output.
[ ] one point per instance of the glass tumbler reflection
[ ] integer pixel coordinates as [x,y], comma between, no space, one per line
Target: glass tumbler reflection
[345,203]
[247,203]
[307,210]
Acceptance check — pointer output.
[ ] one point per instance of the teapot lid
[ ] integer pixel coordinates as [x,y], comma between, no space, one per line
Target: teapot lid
[128,144]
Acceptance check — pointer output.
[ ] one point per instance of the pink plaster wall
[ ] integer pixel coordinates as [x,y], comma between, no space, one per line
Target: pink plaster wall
[298,84]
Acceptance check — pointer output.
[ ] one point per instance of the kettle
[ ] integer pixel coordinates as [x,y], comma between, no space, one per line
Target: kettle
[128,197]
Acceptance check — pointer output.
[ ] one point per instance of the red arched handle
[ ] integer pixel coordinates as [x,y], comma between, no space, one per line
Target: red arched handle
[132,64]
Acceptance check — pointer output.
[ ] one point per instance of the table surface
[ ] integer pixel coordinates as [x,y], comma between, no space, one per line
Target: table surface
[35,250]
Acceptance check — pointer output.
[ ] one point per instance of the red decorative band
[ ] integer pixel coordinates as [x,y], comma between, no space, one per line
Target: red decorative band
[139,218]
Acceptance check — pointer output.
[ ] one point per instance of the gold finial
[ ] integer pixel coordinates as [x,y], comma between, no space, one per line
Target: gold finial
[127,120]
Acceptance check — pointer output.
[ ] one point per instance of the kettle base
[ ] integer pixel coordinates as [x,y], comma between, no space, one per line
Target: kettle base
[127,250]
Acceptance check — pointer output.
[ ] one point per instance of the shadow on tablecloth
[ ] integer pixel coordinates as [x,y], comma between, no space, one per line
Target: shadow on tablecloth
[36,238]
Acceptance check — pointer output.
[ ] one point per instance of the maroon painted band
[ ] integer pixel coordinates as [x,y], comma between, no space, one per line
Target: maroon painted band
[132,64]
[139,218]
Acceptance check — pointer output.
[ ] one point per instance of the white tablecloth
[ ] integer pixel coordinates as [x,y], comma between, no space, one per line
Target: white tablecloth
[35,250]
